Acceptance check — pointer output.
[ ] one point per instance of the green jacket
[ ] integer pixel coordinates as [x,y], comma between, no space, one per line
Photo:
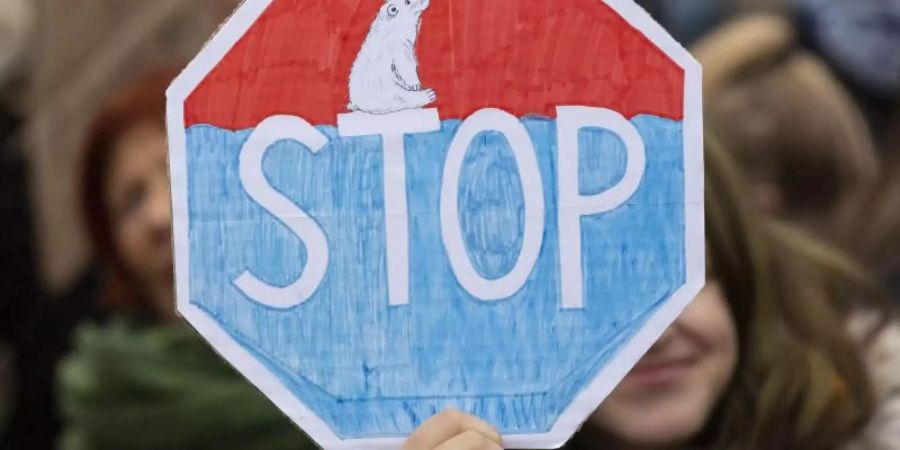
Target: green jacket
[162,388]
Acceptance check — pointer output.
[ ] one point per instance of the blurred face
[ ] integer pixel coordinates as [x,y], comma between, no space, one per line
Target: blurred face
[138,199]
[668,397]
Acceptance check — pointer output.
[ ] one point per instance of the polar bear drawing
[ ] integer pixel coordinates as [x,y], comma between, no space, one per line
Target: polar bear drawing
[384,77]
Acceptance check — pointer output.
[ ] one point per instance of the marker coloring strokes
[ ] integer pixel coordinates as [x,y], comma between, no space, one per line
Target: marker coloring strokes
[387,208]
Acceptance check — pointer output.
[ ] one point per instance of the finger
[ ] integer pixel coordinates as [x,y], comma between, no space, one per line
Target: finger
[470,440]
[434,431]
[471,423]
[445,426]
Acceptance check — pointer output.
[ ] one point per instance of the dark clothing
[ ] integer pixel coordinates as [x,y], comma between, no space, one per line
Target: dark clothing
[19,292]
[18,283]
[46,339]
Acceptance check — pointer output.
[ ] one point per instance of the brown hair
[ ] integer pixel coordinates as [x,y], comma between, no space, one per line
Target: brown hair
[790,124]
[800,381]
[880,236]
[140,102]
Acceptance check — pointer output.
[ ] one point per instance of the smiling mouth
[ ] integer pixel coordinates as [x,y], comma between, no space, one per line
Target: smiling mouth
[658,373]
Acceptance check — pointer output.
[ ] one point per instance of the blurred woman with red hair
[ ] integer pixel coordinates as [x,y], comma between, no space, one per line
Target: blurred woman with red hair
[143,379]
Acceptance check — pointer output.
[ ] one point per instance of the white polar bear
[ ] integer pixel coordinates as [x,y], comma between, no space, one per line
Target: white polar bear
[384,77]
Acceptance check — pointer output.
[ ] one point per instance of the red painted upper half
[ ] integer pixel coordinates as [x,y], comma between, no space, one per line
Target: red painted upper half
[524,56]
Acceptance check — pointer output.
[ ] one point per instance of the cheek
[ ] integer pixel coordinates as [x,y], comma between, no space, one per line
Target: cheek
[710,324]
[130,244]
[675,412]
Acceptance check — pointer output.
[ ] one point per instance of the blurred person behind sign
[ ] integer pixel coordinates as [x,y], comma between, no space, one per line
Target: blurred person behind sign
[687,20]
[793,128]
[859,38]
[142,379]
[861,41]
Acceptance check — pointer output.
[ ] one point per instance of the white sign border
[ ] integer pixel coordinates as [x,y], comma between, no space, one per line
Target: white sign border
[584,403]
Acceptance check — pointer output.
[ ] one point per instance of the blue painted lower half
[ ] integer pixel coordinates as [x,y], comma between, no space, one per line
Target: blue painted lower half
[372,370]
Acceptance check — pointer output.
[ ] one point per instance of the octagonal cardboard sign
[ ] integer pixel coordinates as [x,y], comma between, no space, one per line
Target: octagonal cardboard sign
[387,208]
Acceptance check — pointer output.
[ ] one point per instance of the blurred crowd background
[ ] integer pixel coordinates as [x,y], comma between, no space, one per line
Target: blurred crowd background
[808,93]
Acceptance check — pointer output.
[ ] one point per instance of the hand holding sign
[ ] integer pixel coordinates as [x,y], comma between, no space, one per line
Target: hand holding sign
[454,430]
[507,242]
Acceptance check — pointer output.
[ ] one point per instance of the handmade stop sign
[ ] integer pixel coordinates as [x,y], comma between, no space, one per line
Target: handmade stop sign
[383,210]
